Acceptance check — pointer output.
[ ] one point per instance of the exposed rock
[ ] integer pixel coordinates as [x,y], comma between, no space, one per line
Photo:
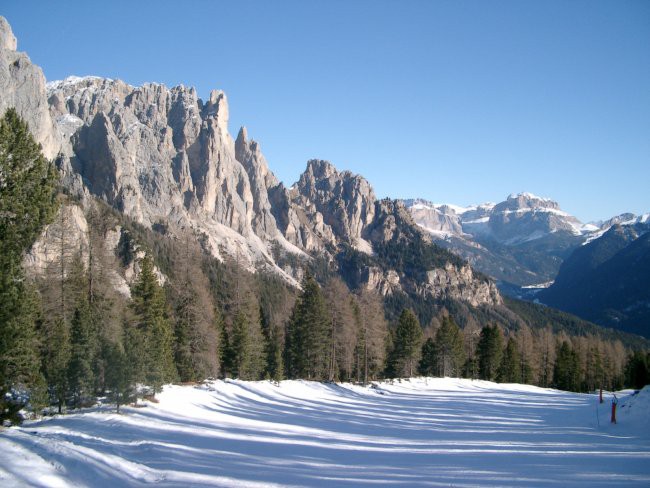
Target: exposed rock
[345,201]
[69,226]
[460,284]
[7,38]
[22,86]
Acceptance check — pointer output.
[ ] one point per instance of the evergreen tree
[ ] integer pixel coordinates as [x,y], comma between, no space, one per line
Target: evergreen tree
[308,332]
[566,373]
[119,376]
[272,348]
[80,366]
[510,368]
[449,348]
[247,347]
[637,370]
[154,332]
[27,203]
[55,361]
[490,351]
[407,344]
[83,337]
[429,360]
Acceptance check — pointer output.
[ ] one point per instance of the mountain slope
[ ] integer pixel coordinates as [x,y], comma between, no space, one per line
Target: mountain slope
[607,281]
[164,158]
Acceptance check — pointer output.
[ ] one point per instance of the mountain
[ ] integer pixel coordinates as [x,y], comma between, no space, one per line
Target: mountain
[521,241]
[164,158]
[607,280]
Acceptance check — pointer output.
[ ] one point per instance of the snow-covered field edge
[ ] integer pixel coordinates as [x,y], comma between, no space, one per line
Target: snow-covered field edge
[417,432]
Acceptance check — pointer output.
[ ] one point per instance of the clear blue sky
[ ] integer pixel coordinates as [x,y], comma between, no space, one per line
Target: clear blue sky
[453,101]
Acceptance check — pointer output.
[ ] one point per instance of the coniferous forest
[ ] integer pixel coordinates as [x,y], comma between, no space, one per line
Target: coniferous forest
[69,336]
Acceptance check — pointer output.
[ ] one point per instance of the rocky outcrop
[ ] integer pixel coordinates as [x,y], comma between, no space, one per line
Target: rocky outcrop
[22,86]
[459,283]
[340,205]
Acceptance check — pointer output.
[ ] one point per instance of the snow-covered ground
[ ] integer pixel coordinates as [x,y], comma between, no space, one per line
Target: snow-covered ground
[423,432]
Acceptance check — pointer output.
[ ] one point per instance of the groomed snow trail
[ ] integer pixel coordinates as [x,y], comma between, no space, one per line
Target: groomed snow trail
[422,432]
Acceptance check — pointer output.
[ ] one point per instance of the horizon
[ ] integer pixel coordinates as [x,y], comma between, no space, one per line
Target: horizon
[552,99]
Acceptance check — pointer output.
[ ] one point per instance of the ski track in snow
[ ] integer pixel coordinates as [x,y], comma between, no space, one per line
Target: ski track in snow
[420,432]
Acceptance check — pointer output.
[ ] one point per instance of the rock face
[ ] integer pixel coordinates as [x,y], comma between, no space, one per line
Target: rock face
[22,86]
[459,283]
[340,205]
[164,156]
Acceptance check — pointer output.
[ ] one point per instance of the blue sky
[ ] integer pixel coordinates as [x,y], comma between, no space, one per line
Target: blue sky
[454,101]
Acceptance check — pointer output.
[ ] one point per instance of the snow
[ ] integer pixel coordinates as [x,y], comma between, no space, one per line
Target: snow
[528,196]
[539,286]
[420,432]
[72,81]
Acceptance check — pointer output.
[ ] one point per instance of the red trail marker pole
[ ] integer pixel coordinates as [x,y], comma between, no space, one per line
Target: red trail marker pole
[614,403]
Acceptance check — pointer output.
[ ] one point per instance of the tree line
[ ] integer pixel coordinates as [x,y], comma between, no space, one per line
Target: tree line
[76,330]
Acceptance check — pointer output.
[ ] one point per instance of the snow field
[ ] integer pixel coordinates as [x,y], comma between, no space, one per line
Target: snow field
[419,432]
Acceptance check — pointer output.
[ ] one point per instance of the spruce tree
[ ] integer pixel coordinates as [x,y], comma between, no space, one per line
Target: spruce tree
[83,337]
[510,368]
[119,375]
[308,332]
[247,343]
[449,348]
[566,373]
[27,203]
[428,361]
[407,344]
[153,329]
[489,351]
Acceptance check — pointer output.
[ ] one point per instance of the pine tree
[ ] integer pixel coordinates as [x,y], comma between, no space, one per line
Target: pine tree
[490,351]
[27,203]
[407,344]
[154,332]
[308,332]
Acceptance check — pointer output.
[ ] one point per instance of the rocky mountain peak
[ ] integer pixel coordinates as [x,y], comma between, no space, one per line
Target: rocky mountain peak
[7,38]
[217,107]
[22,86]
[524,200]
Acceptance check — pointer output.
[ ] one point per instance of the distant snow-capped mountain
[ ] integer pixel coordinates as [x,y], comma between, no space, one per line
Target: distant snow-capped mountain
[520,241]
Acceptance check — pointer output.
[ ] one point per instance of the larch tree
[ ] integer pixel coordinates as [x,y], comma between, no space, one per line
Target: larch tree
[372,333]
